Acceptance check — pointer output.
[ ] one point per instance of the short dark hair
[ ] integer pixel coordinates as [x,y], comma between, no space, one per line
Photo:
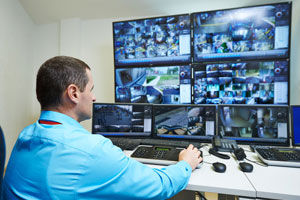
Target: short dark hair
[55,75]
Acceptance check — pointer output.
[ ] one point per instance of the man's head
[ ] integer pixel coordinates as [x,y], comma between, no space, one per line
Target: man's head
[64,84]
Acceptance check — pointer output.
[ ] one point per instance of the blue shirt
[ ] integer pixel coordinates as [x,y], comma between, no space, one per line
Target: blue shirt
[67,162]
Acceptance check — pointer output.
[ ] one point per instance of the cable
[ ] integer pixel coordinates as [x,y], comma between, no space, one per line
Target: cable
[203,145]
[207,162]
[264,165]
[199,196]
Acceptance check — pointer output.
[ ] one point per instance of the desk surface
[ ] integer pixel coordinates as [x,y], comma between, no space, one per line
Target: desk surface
[264,182]
[232,181]
[274,182]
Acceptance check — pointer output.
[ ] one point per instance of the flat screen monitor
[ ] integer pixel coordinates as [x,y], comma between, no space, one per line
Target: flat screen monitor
[184,122]
[152,41]
[258,32]
[254,124]
[251,82]
[159,85]
[295,123]
[119,120]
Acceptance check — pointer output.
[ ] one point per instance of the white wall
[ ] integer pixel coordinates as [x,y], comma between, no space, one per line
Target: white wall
[15,70]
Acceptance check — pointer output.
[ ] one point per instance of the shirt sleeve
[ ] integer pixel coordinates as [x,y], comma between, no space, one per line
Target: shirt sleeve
[110,174]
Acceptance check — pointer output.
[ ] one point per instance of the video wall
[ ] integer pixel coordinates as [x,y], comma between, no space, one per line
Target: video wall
[231,56]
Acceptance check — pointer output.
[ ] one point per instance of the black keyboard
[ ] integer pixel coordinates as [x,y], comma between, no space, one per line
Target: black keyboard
[132,143]
[172,143]
[161,155]
[279,156]
[126,143]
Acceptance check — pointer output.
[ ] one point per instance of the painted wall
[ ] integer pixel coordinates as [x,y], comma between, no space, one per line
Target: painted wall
[16,72]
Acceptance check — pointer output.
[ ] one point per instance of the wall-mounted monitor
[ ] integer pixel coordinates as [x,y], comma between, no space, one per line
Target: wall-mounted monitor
[295,124]
[128,120]
[152,41]
[251,82]
[254,124]
[190,122]
[258,32]
[159,85]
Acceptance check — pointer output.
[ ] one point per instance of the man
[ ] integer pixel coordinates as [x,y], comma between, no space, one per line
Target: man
[56,158]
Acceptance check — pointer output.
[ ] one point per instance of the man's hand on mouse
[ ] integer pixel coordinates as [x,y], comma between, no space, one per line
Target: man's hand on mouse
[191,155]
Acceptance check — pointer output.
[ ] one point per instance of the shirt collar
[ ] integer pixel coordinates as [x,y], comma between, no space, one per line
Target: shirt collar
[60,118]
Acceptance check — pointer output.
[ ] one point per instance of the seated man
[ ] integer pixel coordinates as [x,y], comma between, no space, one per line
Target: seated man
[56,158]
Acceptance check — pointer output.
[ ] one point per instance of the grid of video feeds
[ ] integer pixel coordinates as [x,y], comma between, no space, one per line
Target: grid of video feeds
[162,40]
[159,85]
[251,82]
[122,120]
[259,32]
[229,56]
[188,122]
[261,124]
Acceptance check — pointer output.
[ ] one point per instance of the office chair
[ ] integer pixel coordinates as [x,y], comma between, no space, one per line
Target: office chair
[2,158]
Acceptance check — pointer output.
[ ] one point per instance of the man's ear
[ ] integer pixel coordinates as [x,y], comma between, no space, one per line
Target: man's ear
[73,93]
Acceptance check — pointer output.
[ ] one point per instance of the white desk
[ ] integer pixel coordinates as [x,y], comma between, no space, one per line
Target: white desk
[274,182]
[264,182]
[232,181]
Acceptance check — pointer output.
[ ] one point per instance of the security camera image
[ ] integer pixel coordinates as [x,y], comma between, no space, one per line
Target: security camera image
[126,119]
[161,40]
[256,123]
[258,32]
[159,85]
[184,121]
[250,82]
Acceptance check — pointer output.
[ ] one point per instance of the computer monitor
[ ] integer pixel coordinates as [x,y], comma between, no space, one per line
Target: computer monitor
[248,82]
[152,41]
[295,123]
[159,85]
[254,124]
[128,120]
[184,122]
[257,32]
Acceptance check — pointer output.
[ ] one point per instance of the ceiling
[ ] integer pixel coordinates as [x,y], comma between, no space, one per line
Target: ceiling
[50,11]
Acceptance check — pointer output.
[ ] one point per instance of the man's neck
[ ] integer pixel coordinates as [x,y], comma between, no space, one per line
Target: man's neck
[65,111]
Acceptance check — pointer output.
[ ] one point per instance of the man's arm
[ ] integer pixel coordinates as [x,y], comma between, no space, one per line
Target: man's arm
[112,175]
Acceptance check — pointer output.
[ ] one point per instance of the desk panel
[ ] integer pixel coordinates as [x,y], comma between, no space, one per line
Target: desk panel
[232,181]
[274,182]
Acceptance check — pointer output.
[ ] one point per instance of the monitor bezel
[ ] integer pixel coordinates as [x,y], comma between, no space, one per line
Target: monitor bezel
[287,143]
[246,61]
[151,63]
[120,135]
[191,84]
[240,58]
[292,125]
[205,139]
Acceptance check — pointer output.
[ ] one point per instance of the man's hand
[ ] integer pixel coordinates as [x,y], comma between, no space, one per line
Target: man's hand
[191,155]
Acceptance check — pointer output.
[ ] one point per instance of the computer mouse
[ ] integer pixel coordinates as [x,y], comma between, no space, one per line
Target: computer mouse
[219,167]
[246,167]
